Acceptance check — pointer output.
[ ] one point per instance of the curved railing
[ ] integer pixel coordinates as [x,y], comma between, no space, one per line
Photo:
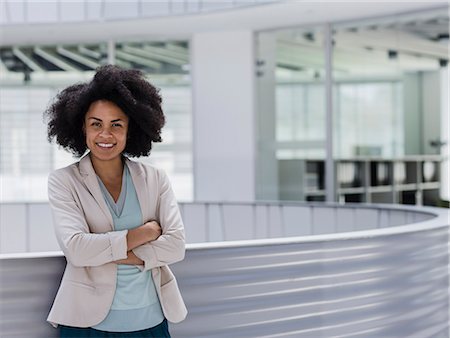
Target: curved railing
[369,272]
[28,227]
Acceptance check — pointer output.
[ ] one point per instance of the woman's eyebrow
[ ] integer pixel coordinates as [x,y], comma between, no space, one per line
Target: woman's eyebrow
[96,118]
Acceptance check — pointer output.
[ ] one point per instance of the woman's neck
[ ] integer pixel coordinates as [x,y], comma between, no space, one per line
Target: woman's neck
[108,171]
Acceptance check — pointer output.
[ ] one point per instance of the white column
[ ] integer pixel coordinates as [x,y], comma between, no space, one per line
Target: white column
[111,52]
[223,85]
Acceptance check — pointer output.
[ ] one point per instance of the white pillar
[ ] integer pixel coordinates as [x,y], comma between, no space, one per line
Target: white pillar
[223,85]
[111,52]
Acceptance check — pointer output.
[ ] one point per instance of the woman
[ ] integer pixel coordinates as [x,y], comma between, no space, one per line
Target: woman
[116,220]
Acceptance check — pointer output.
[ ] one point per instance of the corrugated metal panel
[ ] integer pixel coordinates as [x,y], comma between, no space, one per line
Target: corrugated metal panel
[393,286]
[388,286]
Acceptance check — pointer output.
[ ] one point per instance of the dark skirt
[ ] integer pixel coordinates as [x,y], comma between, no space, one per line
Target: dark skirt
[161,330]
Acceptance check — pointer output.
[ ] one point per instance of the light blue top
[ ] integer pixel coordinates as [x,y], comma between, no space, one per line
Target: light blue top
[136,305]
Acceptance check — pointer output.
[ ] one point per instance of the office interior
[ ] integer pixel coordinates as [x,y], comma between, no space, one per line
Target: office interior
[332,114]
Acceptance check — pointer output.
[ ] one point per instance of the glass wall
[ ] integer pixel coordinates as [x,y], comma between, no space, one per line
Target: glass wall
[26,157]
[387,91]
[369,119]
[291,112]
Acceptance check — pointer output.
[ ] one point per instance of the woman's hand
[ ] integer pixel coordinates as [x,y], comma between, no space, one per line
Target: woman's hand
[132,259]
[154,230]
[148,232]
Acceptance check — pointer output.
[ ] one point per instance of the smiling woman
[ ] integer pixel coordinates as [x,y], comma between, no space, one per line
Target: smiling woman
[127,90]
[116,220]
[106,127]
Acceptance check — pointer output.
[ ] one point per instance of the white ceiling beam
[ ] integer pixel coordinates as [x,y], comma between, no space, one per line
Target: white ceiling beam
[55,60]
[177,48]
[182,55]
[76,57]
[393,40]
[350,59]
[3,68]
[89,52]
[27,60]
[146,53]
[137,59]
[123,64]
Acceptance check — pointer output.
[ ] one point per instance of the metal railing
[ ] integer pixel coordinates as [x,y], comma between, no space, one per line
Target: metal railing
[28,227]
[387,280]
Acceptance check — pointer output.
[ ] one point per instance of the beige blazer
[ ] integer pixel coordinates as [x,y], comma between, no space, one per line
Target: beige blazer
[84,230]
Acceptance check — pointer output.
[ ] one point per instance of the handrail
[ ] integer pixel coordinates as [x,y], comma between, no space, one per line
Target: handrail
[234,224]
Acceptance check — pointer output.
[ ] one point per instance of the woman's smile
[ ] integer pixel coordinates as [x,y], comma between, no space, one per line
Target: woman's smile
[106,128]
[105,145]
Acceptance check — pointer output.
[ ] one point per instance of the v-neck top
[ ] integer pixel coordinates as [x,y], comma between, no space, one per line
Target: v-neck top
[116,207]
[135,305]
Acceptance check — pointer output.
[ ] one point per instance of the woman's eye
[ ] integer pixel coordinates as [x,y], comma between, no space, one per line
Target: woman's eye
[96,124]
[117,125]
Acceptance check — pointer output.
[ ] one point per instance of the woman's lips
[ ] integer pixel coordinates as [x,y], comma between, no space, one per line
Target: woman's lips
[105,145]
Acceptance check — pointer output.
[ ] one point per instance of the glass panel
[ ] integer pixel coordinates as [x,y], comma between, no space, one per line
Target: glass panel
[167,66]
[388,99]
[362,111]
[26,157]
[291,114]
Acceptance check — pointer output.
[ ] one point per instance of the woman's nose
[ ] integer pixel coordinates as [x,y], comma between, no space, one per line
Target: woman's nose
[105,132]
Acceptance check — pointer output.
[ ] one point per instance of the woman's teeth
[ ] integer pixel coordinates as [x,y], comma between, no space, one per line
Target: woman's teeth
[105,145]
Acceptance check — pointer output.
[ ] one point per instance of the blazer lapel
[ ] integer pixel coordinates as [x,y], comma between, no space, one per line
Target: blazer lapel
[138,176]
[90,180]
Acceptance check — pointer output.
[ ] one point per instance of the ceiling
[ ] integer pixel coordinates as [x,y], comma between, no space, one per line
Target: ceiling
[375,48]
[379,45]
[178,27]
[152,57]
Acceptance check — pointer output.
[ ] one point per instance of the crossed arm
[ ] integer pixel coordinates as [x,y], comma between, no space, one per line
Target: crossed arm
[150,245]
[148,232]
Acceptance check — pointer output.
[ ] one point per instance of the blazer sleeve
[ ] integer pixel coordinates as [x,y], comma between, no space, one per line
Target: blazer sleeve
[170,246]
[81,247]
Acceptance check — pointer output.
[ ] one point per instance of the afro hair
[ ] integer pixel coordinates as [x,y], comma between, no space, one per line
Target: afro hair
[128,89]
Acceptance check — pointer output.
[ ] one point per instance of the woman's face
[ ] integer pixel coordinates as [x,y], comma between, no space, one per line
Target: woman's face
[106,127]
